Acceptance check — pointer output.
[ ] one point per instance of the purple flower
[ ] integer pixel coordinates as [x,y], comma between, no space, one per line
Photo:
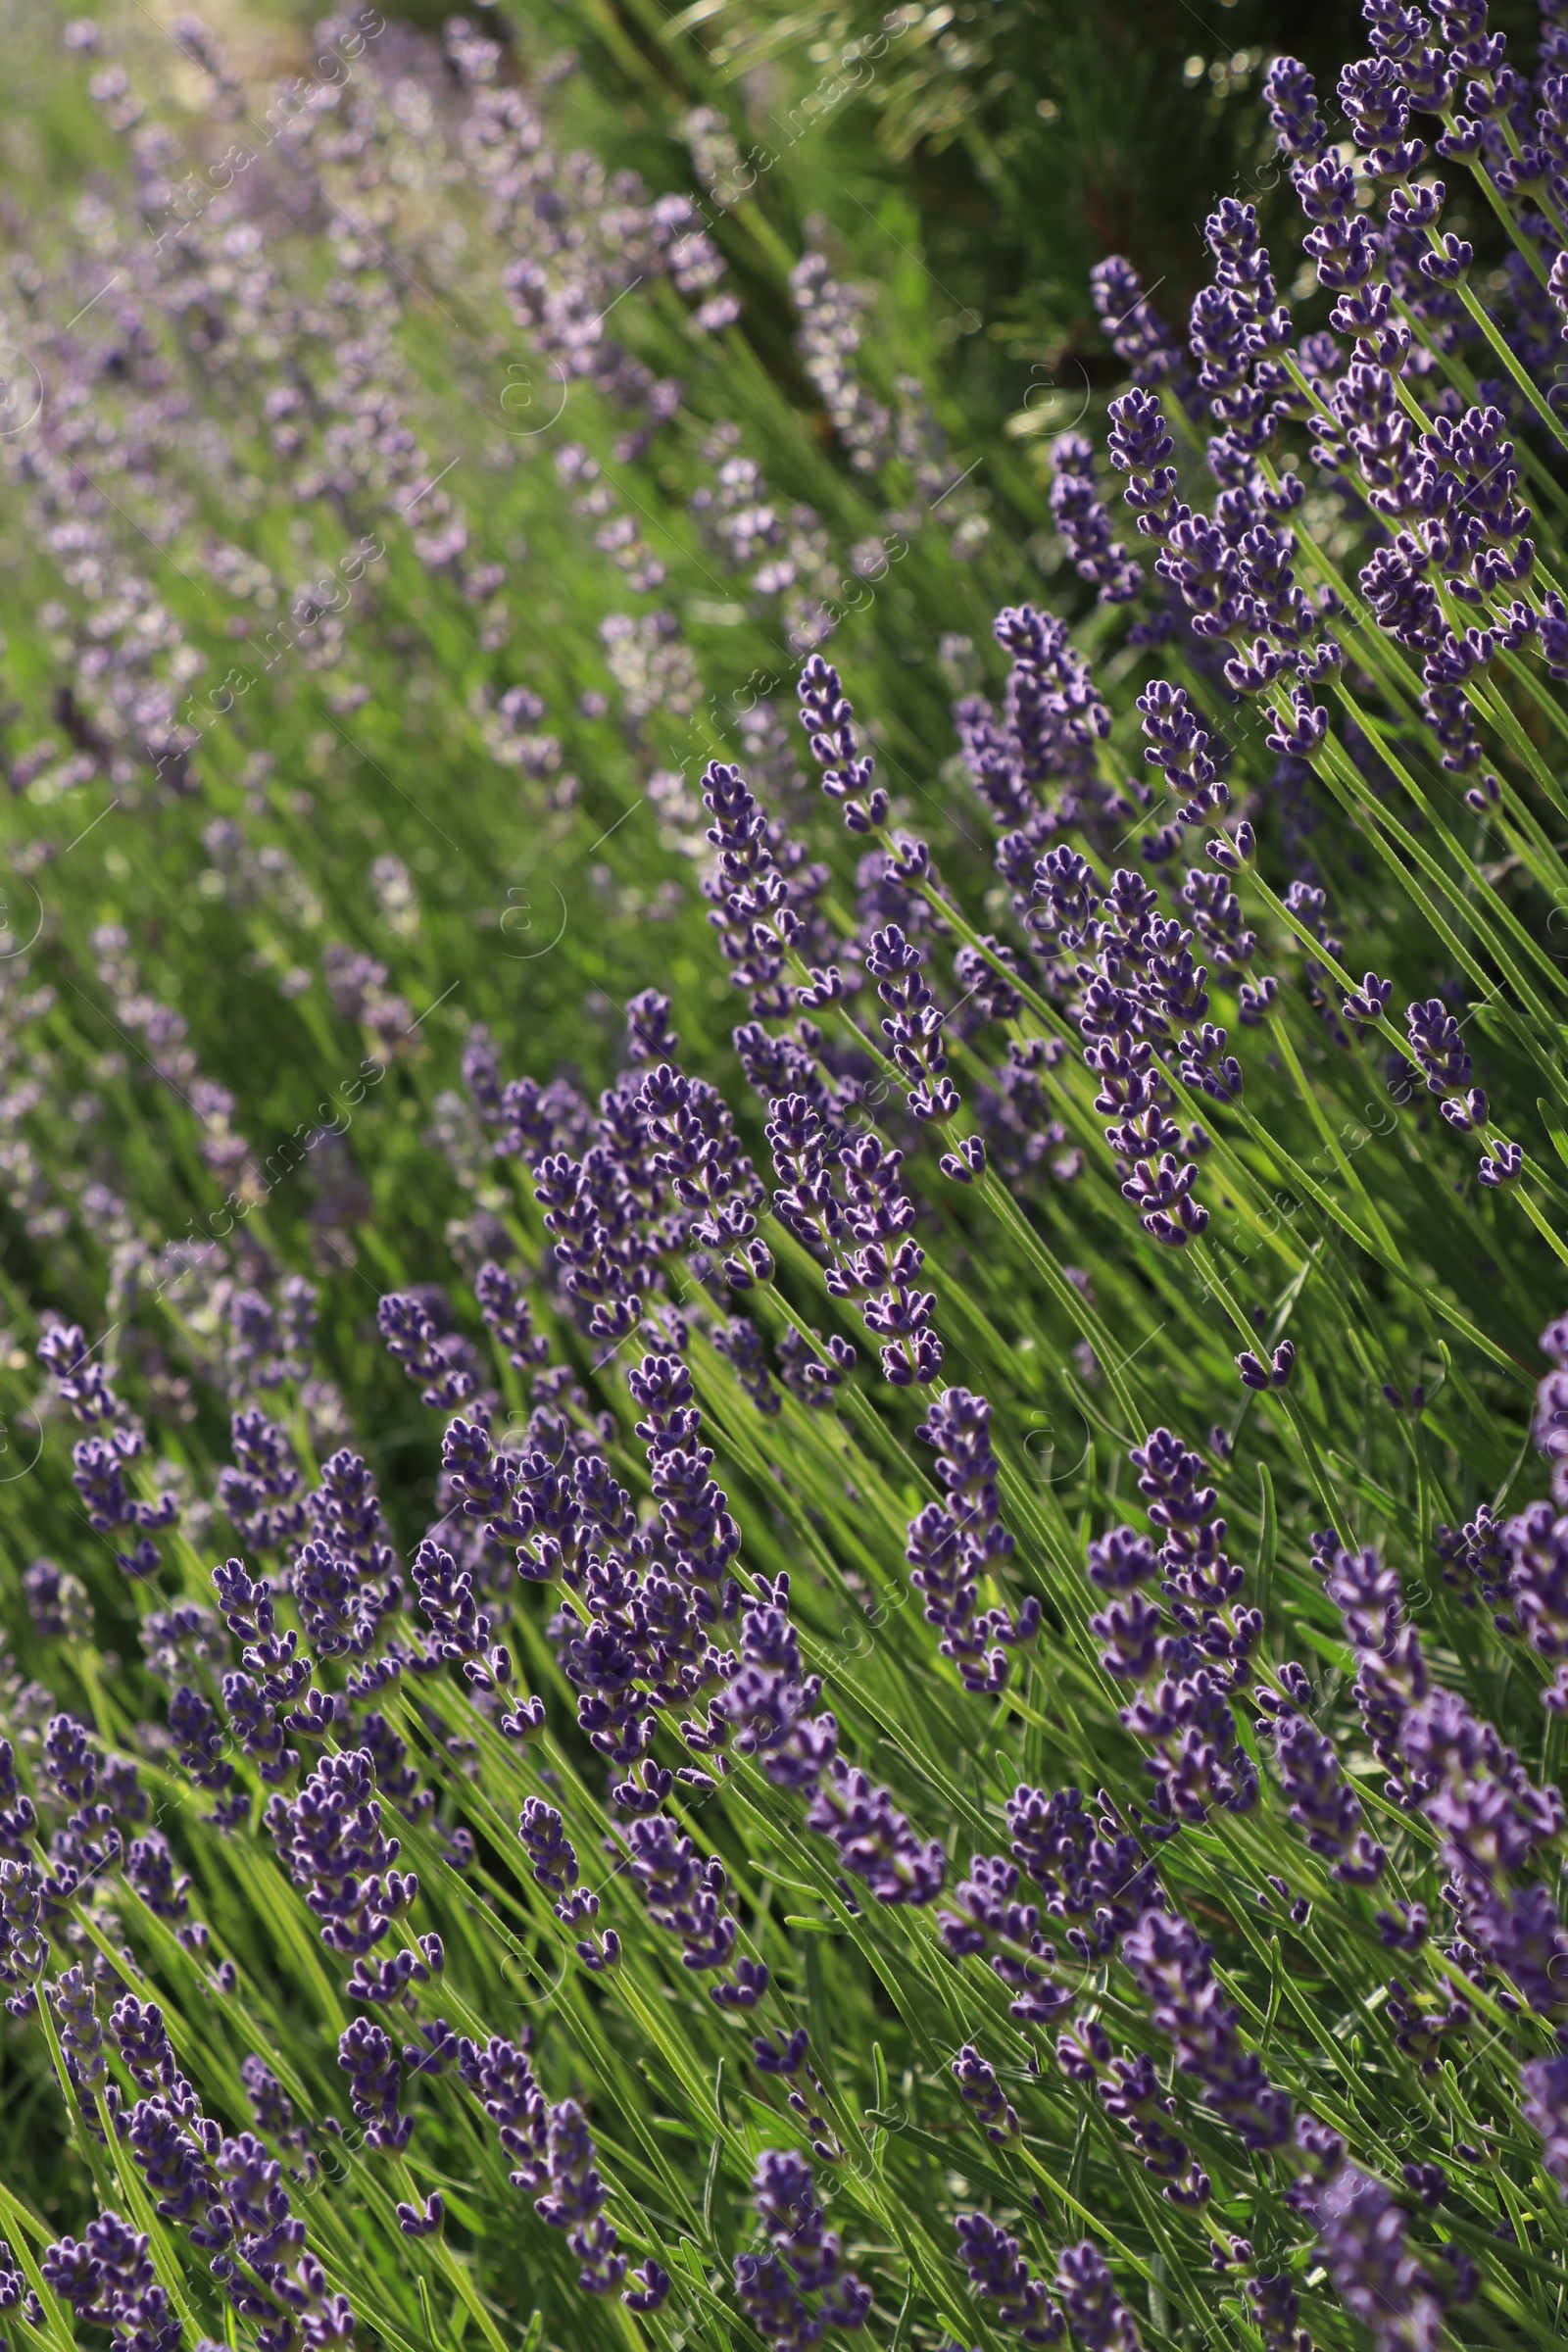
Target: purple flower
[1437,1050]
[366,2056]
[81,2037]
[346,1515]
[1095,2312]
[979,2089]
[330,1838]
[950,1546]
[683,1894]
[70,2272]
[1179,747]
[768,1697]
[1361,2233]
[57,1602]
[19,1816]
[1534,1545]
[699,1156]
[1491,1821]
[739,1340]
[460,1628]
[142,2040]
[882,1268]
[23,1949]
[1138,334]
[1393,1675]
[108,2279]
[913,1023]
[98,1475]
[554,1860]
[827,715]
[1172,1968]
[1139,445]
[1545,2084]
[649,1035]
[1275,1374]
[987,1910]
[797,2287]
[428,1350]
[764,891]
[339,1612]
[1186,1717]
[173,2148]
[1321,1800]
[15,2293]
[150,1868]
[1080,519]
[1091,1870]
[651,2288]
[198,1739]
[282,2283]
[1051,720]
[79,1382]
[269,2103]
[873,1839]
[812,1372]
[1377,106]
[810,1201]
[1144,980]
[1291,99]
[574,2197]
[507,1312]
[259,1490]
[590,1210]
[1000,2274]
[499,2074]
[1275,2309]
[70,1769]
[536,1120]
[547,1846]
[268,1344]
[701,1537]
[1133,2096]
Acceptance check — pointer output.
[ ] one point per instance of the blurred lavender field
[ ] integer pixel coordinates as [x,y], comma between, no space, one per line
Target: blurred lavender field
[783,1155]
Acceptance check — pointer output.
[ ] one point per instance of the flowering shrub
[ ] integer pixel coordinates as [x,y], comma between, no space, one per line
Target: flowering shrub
[897,1663]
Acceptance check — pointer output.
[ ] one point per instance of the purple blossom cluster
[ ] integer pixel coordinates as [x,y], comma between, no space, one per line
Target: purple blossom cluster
[1095,1879]
[859,1213]
[1140,1002]
[952,1545]
[416,1332]
[1361,2237]
[1033,763]
[1000,2276]
[1133,2096]
[1526,1560]
[226,2193]
[764,893]
[107,2280]
[1080,516]
[795,2287]
[1320,1801]
[330,1838]
[99,1471]
[656,1218]
[1490,1822]
[1185,1715]
[1173,1969]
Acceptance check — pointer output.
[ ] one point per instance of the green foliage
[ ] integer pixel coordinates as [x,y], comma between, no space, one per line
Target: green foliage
[363,800]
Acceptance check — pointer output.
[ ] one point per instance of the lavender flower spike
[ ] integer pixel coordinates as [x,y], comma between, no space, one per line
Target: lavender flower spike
[1095,2312]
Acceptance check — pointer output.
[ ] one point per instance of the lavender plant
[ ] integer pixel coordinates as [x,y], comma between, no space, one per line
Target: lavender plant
[839,1605]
